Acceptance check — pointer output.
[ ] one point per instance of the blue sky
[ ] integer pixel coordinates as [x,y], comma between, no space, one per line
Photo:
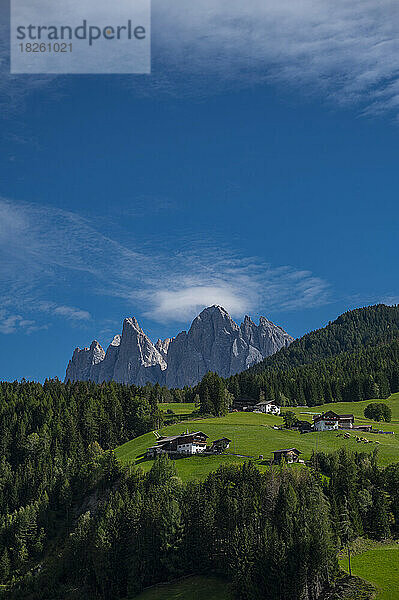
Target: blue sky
[255,168]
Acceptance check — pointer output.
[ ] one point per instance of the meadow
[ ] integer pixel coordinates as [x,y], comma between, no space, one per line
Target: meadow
[178,408]
[253,435]
[379,566]
[194,588]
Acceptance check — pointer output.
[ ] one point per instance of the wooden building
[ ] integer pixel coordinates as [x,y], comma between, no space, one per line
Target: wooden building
[303,426]
[290,455]
[220,445]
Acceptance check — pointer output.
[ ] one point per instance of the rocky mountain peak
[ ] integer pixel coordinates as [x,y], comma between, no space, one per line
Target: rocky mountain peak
[117,340]
[214,342]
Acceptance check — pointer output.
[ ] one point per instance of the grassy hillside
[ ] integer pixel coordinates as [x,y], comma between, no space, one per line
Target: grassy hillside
[356,408]
[379,566]
[193,588]
[179,408]
[253,435]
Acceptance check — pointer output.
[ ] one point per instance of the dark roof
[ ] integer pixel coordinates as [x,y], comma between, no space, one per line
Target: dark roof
[170,438]
[346,416]
[287,450]
[328,415]
[265,402]
[223,439]
[157,447]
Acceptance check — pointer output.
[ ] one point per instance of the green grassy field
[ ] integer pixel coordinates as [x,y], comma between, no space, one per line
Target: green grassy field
[357,408]
[193,588]
[252,434]
[179,408]
[379,566]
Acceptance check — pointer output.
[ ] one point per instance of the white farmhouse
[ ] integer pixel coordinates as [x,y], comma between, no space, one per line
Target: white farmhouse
[267,406]
[330,420]
[326,422]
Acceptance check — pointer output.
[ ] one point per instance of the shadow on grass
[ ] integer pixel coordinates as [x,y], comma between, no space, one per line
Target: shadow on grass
[142,458]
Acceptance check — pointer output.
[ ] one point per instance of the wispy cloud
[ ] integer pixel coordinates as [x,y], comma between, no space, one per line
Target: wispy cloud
[343,52]
[240,285]
[10,323]
[69,312]
[48,247]
[390,299]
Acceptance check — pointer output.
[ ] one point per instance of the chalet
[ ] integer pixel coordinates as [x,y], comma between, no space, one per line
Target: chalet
[220,445]
[303,426]
[291,455]
[330,420]
[326,421]
[268,407]
[186,443]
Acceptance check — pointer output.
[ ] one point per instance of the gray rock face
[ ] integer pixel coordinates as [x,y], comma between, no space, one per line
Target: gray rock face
[138,360]
[163,346]
[107,367]
[85,364]
[214,342]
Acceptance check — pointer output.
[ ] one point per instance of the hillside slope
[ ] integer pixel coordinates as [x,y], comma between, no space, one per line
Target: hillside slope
[252,435]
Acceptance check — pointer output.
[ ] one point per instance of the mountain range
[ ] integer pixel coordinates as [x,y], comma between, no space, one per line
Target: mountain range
[214,342]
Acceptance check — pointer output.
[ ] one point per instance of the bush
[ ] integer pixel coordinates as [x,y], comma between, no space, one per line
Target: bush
[290,419]
[378,411]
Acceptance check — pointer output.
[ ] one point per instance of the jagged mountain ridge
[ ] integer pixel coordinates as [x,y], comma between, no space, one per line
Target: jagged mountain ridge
[214,342]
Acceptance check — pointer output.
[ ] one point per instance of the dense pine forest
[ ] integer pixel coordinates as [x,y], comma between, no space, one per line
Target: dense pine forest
[274,534]
[53,444]
[353,330]
[349,377]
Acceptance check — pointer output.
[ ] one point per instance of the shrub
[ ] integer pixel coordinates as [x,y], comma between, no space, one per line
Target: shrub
[378,411]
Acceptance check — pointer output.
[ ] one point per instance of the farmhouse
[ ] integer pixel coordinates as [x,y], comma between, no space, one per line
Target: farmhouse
[290,455]
[267,406]
[220,445]
[326,421]
[330,420]
[186,443]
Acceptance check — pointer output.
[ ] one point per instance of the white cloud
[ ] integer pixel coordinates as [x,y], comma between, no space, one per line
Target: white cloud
[181,305]
[52,248]
[212,275]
